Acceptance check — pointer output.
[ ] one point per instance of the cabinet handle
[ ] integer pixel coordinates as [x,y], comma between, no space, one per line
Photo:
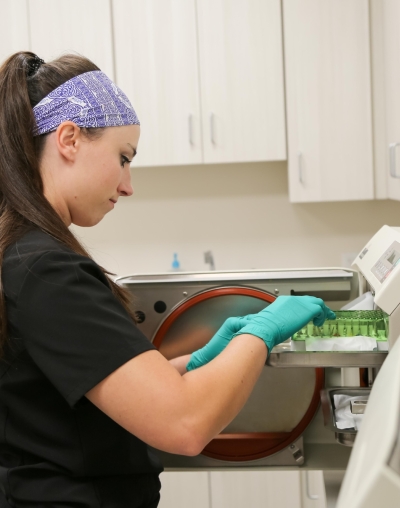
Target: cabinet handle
[212,129]
[191,139]
[300,166]
[392,159]
[310,496]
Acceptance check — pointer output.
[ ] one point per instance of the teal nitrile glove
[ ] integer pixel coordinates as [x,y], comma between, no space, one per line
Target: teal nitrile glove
[218,342]
[286,316]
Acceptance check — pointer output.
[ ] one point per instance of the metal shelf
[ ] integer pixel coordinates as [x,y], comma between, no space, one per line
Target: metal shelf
[284,356]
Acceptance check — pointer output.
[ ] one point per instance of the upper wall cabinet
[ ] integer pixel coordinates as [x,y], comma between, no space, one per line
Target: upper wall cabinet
[224,55]
[74,26]
[157,67]
[328,87]
[241,75]
[14,27]
[391,58]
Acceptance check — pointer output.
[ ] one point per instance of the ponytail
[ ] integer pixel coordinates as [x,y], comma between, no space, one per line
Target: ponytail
[24,81]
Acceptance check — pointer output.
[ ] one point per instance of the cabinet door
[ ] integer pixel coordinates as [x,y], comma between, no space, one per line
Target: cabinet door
[241,74]
[269,489]
[183,489]
[157,67]
[391,49]
[14,13]
[74,26]
[328,90]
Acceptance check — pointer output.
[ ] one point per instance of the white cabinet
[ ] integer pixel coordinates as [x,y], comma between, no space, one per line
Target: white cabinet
[157,67]
[74,26]
[14,28]
[238,489]
[241,74]
[183,490]
[226,56]
[267,489]
[328,90]
[391,59]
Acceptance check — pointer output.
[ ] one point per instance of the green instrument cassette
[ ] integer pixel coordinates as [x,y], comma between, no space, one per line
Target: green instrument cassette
[349,323]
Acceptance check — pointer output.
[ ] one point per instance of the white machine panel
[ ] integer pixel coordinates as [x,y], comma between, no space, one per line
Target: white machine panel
[378,263]
[385,265]
[373,475]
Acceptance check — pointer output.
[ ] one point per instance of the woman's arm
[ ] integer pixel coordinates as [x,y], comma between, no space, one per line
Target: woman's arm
[180,363]
[177,413]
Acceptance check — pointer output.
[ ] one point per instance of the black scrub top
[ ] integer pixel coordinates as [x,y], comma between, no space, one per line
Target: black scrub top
[67,332]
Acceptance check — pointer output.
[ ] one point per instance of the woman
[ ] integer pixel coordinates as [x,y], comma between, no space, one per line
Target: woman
[82,392]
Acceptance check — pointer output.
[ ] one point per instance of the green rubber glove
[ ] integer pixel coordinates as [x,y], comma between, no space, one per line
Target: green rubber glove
[286,316]
[218,342]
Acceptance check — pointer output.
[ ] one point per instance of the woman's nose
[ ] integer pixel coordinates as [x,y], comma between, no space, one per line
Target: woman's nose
[125,187]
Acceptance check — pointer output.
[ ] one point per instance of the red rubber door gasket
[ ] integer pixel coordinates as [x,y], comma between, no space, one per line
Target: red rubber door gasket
[250,445]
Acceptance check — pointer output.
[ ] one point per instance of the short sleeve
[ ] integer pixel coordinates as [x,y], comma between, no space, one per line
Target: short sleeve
[72,326]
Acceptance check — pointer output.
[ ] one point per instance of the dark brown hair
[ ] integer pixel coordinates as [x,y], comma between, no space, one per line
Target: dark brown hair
[23,206]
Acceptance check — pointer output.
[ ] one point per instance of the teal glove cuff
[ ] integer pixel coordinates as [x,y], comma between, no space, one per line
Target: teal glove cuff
[218,342]
[197,359]
[266,333]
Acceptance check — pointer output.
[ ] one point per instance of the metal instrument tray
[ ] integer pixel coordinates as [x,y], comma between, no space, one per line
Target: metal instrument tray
[343,436]
[283,356]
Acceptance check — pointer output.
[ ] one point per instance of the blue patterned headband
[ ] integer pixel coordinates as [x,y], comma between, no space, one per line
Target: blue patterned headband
[89,100]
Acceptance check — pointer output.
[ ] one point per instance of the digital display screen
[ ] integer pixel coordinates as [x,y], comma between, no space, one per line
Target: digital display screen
[387,263]
[393,258]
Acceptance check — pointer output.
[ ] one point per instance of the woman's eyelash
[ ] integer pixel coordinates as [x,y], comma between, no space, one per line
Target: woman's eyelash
[125,160]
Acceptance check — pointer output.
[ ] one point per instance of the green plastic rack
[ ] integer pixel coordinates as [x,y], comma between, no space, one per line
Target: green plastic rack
[349,323]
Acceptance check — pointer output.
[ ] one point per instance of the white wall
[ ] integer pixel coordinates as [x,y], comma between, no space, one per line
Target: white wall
[239,211]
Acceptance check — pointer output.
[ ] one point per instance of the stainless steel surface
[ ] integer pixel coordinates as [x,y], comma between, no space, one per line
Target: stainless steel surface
[285,459]
[326,275]
[297,454]
[266,409]
[323,456]
[318,456]
[357,407]
[283,356]
[343,436]
[278,402]
[195,327]
[336,286]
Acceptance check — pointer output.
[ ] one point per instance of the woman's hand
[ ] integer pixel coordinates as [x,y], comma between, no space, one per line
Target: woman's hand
[274,324]
[218,342]
[286,316]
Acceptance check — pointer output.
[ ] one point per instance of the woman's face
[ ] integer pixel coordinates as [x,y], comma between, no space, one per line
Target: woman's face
[91,174]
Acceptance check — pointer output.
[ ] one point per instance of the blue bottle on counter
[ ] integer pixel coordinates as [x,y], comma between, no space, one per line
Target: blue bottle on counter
[176,266]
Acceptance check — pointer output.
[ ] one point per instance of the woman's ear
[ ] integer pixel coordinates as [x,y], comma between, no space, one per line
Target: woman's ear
[68,139]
